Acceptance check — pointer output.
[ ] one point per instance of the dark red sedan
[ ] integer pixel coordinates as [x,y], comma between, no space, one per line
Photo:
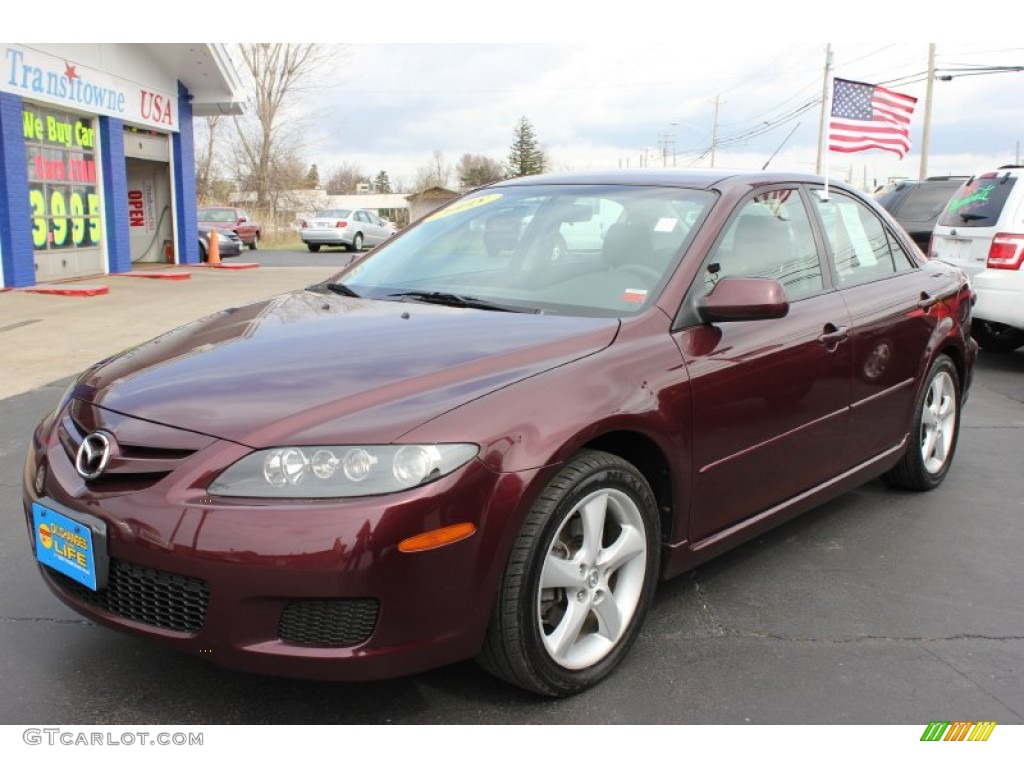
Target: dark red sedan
[235,220]
[451,451]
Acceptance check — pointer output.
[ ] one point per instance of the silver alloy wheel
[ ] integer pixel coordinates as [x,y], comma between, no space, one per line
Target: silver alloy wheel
[592,579]
[938,422]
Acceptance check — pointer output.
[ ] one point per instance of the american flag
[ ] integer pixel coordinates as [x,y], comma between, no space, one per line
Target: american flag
[869,117]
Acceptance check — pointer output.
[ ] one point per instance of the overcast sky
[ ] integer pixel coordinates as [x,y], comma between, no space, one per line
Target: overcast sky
[608,86]
[651,101]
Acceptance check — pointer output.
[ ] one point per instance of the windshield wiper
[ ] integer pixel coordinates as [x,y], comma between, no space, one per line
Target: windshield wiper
[455,300]
[971,216]
[341,288]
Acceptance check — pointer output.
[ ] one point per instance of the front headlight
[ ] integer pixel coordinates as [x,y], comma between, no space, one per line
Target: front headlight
[334,471]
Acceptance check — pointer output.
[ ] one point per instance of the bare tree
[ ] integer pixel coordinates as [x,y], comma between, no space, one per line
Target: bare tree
[477,170]
[277,73]
[345,179]
[434,174]
[205,157]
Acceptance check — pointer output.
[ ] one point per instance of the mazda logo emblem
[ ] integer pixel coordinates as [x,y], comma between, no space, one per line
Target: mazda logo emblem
[93,455]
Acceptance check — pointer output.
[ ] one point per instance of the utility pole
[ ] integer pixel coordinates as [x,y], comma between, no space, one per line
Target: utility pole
[666,140]
[714,133]
[824,108]
[926,133]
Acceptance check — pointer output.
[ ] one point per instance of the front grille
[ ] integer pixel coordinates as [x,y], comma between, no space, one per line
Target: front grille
[328,623]
[132,467]
[145,595]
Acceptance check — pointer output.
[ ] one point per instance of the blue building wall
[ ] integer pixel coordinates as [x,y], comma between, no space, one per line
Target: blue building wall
[184,173]
[15,212]
[115,195]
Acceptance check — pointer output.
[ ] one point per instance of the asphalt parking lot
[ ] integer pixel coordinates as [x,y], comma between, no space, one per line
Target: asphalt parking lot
[881,607]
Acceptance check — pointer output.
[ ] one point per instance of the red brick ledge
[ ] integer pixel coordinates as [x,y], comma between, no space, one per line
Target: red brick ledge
[156,275]
[66,290]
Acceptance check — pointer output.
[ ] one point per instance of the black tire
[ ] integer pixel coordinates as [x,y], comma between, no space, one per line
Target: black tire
[527,622]
[313,247]
[357,242]
[255,242]
[997,337]
[933,439]
[202,253]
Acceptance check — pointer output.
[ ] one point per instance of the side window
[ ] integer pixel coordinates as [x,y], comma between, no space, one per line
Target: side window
[859,247]
[769,237]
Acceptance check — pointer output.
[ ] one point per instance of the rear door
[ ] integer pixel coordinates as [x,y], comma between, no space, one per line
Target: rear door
[893,303]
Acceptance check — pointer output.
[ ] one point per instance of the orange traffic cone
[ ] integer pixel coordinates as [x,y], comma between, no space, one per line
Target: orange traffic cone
[213,256]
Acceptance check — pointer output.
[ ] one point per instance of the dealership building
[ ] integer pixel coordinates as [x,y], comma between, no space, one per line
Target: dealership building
[97,163]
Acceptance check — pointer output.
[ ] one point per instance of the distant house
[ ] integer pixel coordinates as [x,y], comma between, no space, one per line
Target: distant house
[422,203]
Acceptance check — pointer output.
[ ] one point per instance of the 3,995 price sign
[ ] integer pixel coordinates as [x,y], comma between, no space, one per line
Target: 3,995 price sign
[63,217]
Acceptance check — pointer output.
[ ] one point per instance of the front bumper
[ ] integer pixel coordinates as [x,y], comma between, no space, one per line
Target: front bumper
[311,589]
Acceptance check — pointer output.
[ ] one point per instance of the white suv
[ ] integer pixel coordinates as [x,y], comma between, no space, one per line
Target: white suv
[982,232]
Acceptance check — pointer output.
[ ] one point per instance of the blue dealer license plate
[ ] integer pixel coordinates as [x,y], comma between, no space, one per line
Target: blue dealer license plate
[71,546]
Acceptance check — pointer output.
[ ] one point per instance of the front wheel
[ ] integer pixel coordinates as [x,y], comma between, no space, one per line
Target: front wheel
[997,337]
[579,579]
[934,434]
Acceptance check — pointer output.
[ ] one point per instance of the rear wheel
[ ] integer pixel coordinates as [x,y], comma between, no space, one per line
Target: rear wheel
[357,242]
[934,434]
[202,253]
[997,337]
[579,579]
[255,242]
[313,247]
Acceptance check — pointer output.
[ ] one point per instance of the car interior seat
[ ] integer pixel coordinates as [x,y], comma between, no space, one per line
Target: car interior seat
[629,247]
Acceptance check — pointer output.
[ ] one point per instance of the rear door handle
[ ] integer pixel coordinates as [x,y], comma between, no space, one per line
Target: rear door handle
[833,335]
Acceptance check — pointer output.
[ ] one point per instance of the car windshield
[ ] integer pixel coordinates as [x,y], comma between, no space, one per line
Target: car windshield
[575,250]
[334,213]
[216,214]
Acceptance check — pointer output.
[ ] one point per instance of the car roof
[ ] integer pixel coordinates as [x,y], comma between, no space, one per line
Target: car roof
[704,178]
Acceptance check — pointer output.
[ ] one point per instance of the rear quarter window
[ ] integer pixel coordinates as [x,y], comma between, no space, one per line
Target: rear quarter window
[978,203]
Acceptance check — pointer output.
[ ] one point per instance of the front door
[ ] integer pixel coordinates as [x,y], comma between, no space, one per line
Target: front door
[770,397]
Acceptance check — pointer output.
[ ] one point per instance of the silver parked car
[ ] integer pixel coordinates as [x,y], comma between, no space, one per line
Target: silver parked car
[350,228]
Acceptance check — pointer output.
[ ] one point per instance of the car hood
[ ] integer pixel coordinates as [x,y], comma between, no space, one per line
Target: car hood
[310,368]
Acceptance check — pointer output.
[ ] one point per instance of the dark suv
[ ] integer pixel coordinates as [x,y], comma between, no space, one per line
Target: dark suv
[916,205]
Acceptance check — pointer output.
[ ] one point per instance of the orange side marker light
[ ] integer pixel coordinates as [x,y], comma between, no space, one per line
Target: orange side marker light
[439,537]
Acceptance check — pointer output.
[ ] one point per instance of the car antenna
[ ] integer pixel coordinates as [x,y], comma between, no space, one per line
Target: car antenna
[765,166]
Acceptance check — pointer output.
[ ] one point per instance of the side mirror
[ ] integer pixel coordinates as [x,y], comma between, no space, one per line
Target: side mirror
[242,219]
[744,298]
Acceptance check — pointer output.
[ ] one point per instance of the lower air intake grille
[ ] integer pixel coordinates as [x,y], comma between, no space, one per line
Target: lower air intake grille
[145,595]
[328,623]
